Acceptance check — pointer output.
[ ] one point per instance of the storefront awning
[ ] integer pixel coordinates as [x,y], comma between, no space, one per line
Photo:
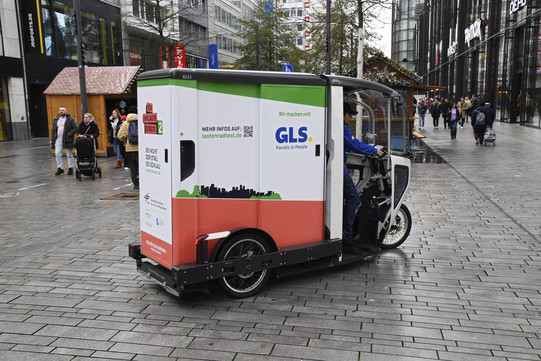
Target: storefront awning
[431,88]
[99,80]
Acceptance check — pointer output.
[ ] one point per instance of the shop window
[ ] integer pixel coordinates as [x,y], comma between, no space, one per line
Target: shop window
[5,120]
[101,36]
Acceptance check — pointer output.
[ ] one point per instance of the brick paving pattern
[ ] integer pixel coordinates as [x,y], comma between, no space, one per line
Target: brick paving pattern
[464,286]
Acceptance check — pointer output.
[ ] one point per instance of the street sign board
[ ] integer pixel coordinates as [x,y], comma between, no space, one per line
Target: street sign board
[288,68]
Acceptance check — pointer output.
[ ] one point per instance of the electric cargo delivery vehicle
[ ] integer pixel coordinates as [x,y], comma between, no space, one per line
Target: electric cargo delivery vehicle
[241,175]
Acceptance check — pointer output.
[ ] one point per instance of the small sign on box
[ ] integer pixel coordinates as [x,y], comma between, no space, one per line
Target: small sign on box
[151,128]
[150,118]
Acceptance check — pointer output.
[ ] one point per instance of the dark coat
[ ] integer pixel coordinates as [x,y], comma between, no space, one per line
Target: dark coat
[445,109]
[90,129]
[435,110]
[70,129]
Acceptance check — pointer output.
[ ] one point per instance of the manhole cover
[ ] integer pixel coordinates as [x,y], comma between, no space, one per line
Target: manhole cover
[122,197]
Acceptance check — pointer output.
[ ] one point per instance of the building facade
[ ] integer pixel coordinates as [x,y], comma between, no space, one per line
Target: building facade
[13,117]
[299,17]
[487,47]
[49,41]
[403,32]
[182,25]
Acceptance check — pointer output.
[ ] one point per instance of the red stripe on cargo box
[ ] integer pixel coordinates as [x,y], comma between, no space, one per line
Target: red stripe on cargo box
[156,249]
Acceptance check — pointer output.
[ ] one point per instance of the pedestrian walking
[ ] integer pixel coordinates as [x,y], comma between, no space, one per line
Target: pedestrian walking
[481,119]
[422,108]
[113,125]
[62,132]
[445,109]
[130,137]
[453,120]
[466,109]
[89,129]
[435,112]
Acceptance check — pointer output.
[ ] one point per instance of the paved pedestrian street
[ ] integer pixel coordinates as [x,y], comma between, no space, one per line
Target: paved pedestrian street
[464,286]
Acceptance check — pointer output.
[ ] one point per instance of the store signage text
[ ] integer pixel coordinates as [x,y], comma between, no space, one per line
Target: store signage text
[474,31]
[516,5]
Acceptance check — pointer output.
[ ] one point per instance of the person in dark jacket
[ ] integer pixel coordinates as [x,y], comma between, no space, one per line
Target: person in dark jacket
[479,129]
[62,132]
[422,112]
[88,128]
[435,112]
[351,196]
[445,109]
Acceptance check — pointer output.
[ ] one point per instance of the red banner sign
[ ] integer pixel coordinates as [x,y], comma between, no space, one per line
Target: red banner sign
[135,57]
[180,56]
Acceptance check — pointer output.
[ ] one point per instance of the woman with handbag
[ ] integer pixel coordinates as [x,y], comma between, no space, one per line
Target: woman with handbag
[114,124]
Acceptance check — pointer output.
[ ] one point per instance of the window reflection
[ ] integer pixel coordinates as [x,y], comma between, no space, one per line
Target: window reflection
[99,34]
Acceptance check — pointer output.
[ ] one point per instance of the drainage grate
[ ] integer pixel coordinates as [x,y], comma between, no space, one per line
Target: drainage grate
[122,197]
[12,181]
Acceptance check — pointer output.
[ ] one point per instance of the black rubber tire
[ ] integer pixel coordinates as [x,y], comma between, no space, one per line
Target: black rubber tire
[246,245]
[399,233]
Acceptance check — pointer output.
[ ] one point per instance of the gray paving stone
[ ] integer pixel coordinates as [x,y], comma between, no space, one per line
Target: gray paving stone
[314,353]
[25,339]
[76,332]
[187,353]
[248,317]
[21,328]
[258,348]
[485,338]
[141,349]
[152,339]
[85,344]
[31,356]
[113,355]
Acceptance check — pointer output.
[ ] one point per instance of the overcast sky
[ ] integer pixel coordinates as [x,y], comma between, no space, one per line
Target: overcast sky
[385,23]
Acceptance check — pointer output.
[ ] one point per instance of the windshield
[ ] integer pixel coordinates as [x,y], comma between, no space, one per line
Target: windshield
[373,119]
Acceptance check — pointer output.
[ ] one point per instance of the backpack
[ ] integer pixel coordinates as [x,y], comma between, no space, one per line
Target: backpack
[480,118]
[133,133]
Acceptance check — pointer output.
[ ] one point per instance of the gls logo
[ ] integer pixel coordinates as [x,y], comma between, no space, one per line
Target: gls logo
[288,135]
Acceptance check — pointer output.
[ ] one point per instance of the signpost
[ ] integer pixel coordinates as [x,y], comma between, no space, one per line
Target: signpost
[288,68]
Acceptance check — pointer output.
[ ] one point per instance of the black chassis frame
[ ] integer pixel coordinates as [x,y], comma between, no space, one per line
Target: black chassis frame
[286,261]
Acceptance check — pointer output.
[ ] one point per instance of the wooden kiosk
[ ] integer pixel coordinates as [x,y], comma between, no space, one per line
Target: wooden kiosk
[107,88]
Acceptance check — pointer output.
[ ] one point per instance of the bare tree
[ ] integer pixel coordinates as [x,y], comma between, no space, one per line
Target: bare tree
[345,45]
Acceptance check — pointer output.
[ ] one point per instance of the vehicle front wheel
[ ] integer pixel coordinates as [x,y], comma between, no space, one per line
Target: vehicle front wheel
[244,246]
[400,231]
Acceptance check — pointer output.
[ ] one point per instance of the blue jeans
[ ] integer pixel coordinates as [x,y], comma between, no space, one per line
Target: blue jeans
[452,126]
[421,120]
[58,155]
[351,201]
[116,148]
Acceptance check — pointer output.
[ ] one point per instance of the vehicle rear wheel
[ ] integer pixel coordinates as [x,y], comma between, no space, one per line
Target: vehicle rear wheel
[398,233]
[244,246]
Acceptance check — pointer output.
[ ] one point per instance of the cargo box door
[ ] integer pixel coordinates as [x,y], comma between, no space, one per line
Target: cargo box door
[154,170]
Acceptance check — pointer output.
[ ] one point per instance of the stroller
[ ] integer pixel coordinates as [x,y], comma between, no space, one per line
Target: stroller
[490,137]
[87,163]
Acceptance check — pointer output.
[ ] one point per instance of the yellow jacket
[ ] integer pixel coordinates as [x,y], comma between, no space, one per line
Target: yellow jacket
[123,133]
